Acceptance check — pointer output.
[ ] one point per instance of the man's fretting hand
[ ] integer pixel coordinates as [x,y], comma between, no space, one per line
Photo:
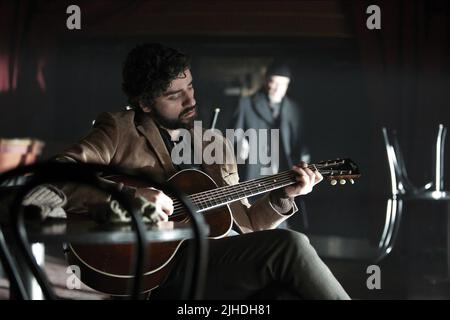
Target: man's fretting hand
[306,178]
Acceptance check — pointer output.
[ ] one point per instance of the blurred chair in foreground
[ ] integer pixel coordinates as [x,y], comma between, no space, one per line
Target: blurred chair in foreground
[38,191]
[15,153]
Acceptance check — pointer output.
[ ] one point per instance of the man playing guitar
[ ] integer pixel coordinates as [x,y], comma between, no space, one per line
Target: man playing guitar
[159,86]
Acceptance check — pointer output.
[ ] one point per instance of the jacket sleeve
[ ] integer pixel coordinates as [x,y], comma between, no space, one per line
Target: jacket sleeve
[300,147]
[98,147]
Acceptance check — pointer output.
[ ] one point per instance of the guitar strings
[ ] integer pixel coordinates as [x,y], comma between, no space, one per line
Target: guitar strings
[241,188]
[248,185]
[218,191]
[205,198]
[249,182]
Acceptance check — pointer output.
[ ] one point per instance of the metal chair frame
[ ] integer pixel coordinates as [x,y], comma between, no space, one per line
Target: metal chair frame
[402,189]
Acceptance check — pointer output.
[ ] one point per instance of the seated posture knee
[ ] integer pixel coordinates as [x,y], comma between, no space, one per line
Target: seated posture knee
[292,237]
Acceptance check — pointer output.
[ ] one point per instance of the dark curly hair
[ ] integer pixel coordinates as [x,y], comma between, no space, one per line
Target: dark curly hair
[148,70]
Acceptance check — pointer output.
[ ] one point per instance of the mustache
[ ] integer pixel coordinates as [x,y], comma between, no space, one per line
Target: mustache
[187,111]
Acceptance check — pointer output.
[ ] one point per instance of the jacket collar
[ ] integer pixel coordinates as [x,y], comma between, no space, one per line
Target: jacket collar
[148,128]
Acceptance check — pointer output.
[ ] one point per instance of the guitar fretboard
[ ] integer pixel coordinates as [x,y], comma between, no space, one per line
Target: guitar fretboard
[218,197]
[214,198]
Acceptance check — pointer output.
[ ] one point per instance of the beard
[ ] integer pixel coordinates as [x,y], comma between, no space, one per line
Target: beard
[179,123]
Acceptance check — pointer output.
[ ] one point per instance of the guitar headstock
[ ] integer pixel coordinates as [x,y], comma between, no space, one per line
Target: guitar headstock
[341,170]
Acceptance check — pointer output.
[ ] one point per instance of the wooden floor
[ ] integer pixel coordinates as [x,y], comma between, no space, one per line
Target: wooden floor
[56,271]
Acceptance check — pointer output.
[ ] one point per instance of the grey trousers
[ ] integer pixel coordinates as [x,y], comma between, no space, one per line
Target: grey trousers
[248,266]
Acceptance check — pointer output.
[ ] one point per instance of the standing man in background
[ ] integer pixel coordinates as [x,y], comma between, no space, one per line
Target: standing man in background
[270,108]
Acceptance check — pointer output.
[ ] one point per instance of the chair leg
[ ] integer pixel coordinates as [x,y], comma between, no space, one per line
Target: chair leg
[396,223]
[439,166]
[17,288]
[30,282]
[387,223]
[394,210]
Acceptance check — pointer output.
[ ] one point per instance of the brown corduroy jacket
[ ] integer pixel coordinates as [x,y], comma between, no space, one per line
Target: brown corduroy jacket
[132,140]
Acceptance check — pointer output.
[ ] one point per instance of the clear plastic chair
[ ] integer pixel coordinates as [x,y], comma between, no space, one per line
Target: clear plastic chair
[402,189]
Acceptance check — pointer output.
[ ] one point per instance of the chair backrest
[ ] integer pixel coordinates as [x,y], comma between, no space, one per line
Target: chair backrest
[439,166]
[400,183]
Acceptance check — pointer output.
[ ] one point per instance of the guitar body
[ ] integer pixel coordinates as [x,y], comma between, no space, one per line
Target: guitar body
[108,267]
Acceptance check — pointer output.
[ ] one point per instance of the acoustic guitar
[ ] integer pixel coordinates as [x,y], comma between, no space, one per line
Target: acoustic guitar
[108,268]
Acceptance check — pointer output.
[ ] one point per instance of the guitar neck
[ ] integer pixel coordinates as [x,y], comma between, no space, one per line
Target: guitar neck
[333,170]
[221,196]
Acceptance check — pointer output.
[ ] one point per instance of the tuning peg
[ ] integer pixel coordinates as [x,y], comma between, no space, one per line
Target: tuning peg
[342,181]
[352,181]
[333,182]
